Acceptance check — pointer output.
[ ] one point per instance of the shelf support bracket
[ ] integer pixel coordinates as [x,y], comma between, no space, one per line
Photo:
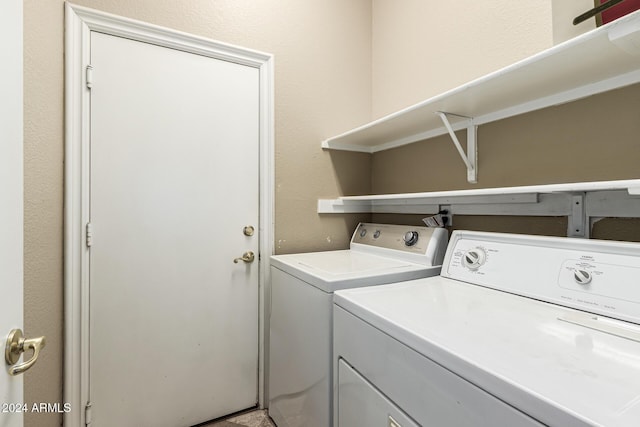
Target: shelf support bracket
[470,158]
[578,221]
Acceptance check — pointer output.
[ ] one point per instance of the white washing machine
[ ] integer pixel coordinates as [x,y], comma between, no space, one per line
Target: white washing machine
[302,286]
[517,331]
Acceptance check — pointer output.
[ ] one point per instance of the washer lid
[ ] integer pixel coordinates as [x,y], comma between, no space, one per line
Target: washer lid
[333,270]
[513,347]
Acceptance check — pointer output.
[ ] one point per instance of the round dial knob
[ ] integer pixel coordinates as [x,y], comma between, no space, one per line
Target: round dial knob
[582,277]
[410,238]
[474,258]
[363,232]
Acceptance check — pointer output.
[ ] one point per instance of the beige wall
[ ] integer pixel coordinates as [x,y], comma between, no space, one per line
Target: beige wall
[564,12]
[423,48]
[322,54]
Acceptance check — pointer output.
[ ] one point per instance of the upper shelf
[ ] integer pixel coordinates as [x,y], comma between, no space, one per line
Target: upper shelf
[600,60]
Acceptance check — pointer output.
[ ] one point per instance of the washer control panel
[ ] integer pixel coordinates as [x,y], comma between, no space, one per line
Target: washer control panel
[406,238]
[418,244]
[596,276]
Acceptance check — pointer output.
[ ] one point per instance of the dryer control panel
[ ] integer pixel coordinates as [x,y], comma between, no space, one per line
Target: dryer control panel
[596,276]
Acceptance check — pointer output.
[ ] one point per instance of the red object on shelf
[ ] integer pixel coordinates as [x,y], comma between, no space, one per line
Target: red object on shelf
[619,10]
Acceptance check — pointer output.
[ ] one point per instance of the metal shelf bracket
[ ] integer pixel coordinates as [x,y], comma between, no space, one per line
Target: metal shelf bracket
[577,220]
[470,158]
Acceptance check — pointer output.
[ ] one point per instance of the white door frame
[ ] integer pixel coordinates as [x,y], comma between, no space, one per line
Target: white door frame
[80,21]
[11,199]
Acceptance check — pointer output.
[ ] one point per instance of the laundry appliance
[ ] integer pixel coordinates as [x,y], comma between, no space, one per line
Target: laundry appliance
[302,286]
[517,331]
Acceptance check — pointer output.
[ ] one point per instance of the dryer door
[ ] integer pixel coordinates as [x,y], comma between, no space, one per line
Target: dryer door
[360,404]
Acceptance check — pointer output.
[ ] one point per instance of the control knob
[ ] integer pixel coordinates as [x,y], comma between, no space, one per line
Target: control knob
[582,277]
[410,238]
[474,258]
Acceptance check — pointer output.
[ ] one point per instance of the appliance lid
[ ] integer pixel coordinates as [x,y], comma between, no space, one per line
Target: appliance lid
[335,264]
[333,270]
[516,348]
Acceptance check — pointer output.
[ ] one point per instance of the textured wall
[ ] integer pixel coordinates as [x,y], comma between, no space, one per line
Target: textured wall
[563,14]
[423,48]
[322,54]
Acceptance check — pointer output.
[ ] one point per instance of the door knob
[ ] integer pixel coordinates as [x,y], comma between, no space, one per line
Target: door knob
[248,230]
[246,257]
[16,345]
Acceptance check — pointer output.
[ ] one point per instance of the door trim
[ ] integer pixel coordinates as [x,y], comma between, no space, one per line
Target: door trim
[80,21]
[11,197]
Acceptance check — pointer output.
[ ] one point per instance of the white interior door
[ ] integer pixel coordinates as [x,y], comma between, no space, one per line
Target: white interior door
[174,180]
[10,201]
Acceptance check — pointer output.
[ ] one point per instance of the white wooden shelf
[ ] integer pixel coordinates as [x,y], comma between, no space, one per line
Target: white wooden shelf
[603,59]
[581,202]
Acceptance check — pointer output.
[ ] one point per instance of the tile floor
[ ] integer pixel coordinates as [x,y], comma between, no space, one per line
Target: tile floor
[257,418]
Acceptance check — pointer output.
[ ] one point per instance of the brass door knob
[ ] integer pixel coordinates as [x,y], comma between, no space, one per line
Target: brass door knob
[247,257]
[16,345]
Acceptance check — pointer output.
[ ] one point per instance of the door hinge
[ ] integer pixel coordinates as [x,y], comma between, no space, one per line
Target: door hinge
[89,76]
[89,234]
[87,414]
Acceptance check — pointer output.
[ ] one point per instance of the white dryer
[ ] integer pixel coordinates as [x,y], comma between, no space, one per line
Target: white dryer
[302,286]
[517,331]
